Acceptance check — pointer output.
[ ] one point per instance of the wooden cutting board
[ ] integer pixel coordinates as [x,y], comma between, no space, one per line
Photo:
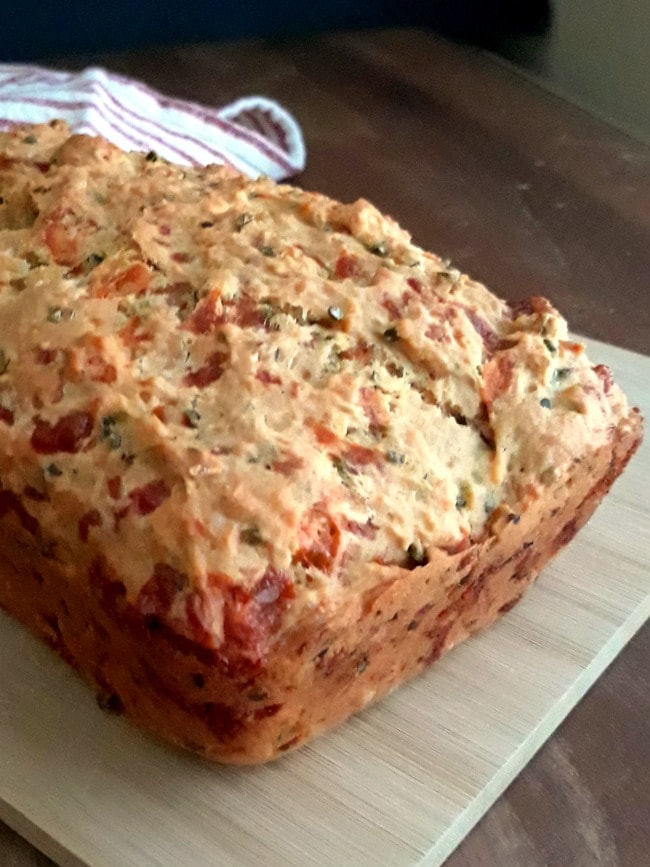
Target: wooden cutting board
[400,784]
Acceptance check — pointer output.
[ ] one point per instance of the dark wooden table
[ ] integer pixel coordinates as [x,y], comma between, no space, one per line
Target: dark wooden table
[533,196]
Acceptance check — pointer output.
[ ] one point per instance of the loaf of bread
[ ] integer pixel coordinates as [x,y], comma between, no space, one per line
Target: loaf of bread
[262,458]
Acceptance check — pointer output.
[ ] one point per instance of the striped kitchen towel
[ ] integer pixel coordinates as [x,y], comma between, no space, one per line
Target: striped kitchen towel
[253,134]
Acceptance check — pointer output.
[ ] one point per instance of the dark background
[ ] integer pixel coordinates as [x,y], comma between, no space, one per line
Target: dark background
[41,29]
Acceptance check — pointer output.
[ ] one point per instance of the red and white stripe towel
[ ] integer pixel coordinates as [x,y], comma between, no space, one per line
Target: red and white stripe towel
[253,134]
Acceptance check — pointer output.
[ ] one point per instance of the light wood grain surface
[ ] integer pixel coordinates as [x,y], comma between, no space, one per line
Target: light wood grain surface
[401,784]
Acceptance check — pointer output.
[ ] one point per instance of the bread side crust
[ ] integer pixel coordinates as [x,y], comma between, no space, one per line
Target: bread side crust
[237,419]
[323,669]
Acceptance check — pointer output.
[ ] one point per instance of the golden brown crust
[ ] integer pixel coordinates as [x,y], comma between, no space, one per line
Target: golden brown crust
[261,457]
[321,671]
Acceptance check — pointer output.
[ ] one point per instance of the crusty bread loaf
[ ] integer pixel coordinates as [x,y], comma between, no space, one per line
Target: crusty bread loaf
[261,457]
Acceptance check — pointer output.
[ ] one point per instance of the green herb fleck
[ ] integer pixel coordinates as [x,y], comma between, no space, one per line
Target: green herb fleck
[251,536]
[390,335]
[378,249]
[51,470]
[151,157]
[207,224]
[465,496]
[30,139]
[34,260]
[561,373]
[268,311]
[450,274]
[552,348]
[296,312]
[265,250]
[242,220]
[59,313]
[545,402]
[416,555]
[108,432]
[94,260]
[335,313]
[341,468]
[56,314]
[140,306]
[395,457]
[333,362]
